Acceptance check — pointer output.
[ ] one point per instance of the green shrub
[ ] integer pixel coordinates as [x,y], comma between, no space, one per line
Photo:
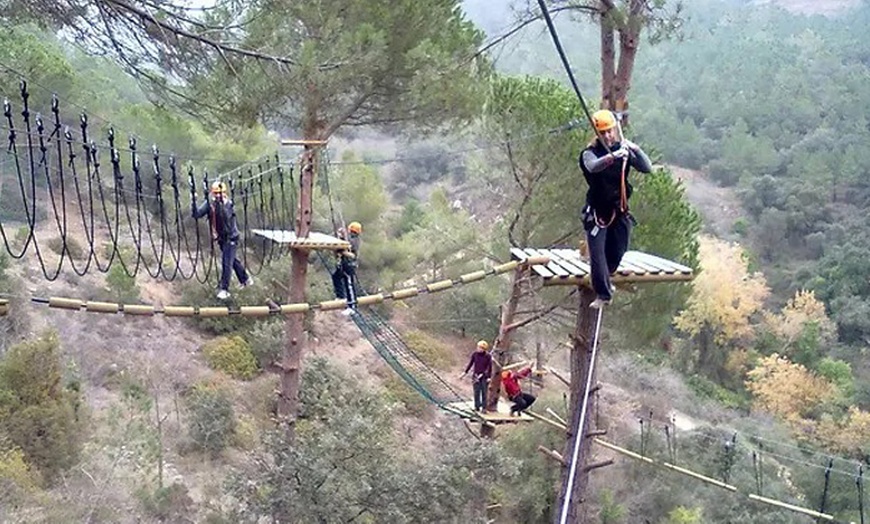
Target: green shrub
[399,391]
[211,420]
[268,340]
[740,227]
[706,388]
[122,287]
[74,249]
[430,350]
[17,477]
[38,413]
[231,355]
[171,503]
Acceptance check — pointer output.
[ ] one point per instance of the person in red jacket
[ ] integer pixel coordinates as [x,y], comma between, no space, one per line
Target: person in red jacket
[511,383]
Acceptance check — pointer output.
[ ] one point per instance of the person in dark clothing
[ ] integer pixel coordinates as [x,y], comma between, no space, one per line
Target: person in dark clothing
[511,383]
[481,361]
[344,276]
[606,163]
[225,231]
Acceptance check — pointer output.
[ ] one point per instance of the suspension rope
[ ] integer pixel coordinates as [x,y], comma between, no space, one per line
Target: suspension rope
[555,36]
[581,421]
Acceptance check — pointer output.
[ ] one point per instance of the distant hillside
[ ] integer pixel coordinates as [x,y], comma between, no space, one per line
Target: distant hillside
[815,7]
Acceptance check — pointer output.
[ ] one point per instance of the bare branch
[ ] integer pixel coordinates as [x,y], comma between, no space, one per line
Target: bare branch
[218,46]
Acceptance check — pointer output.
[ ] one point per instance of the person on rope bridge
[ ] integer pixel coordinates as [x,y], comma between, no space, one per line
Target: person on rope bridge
[344,276]
[481,360]
[225,231]
[606,163]
[511,383]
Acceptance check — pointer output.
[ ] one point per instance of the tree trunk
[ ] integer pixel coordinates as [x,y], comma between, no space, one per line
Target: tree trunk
[608,59]
[629,40]
[502,343]
[581,362]
[291,364]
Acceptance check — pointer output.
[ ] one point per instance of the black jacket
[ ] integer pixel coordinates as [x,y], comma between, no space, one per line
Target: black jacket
[221,217]
[604,184]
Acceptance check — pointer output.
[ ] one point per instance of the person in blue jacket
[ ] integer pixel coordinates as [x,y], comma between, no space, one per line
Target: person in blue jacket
[225,231]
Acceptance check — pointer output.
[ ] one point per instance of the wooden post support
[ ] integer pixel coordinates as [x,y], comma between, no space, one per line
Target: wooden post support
[600,464]
[291,362]
[552,454]
[546,420]
[557,417]
[558,375]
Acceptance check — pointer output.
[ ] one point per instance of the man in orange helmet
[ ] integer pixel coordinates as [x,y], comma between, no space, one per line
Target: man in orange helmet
[606,163]
[344,276]
[225,231]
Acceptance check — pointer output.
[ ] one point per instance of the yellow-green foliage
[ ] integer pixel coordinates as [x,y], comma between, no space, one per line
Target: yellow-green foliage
[245,436]
[16,473]
[683,515]
[411,400]
[232,355]
[430,350]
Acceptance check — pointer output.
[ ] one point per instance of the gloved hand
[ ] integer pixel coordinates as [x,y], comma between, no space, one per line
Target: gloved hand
[620,153]
[629,144]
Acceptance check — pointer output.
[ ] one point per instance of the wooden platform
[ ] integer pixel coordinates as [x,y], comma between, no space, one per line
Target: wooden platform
[502,416]
[312,241]
[568,268]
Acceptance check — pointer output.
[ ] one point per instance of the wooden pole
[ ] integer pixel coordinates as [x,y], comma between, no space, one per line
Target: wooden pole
[502,343]
[581,362]
[291,363]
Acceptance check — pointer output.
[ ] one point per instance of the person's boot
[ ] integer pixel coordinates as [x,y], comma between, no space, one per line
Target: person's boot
[599,303]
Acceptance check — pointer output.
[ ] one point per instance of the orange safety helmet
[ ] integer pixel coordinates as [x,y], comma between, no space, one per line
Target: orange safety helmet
[355,227]
[603,120]
[218,188]
[483,344]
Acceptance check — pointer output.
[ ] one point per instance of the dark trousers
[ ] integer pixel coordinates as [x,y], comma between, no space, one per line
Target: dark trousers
[343,282]
[607,245]
[480,387]
[229,260]
[522,402]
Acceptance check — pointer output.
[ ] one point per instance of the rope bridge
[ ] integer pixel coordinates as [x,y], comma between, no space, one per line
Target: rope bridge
[406,363]
[132,208]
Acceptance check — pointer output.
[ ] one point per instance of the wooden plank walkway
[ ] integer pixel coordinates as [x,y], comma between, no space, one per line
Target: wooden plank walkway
[502,416]
[312,241]
[568,268]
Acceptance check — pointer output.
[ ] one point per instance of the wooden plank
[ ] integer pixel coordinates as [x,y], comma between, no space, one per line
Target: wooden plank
[664,263]
[518,254]
[313,240]
[569,266]
[639,268]
[542,271]
[302,142]
[501,416]
[620,279]
[638,258]
[572,256]
[552,267]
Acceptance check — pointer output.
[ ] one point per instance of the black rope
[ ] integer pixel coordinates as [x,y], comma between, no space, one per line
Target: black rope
[552,28]
[825,491]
